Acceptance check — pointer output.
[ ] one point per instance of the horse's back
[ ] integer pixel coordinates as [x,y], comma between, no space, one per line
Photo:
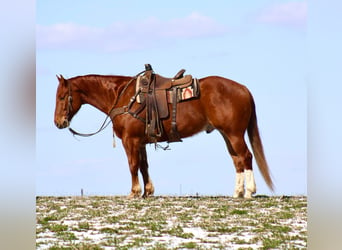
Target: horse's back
[225,101]
[223,90]
[223,84]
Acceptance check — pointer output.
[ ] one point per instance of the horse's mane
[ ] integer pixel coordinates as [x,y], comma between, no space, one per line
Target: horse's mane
[102,79]
[97,77]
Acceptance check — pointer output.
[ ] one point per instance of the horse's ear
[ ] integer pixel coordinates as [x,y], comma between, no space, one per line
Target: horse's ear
[60,77]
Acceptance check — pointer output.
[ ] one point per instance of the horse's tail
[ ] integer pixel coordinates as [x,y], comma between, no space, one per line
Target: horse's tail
[255,140]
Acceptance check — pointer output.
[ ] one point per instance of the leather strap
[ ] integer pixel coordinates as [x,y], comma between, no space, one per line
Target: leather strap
[174,135]
[118,111]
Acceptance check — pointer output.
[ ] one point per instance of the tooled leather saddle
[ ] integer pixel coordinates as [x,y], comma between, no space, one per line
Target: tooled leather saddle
[155,92]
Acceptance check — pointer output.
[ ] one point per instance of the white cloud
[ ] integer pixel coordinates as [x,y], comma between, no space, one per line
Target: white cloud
[291,13]
[125,36]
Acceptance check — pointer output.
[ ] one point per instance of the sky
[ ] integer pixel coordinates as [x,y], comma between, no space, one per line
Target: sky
[261,44]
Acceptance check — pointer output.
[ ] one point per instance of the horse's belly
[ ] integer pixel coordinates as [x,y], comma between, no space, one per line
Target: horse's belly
[190,118]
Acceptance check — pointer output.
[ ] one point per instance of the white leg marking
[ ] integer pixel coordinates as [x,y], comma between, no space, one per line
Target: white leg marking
[239,185]
[250,183]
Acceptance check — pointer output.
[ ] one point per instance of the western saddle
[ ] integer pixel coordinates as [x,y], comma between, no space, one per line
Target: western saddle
[155,93]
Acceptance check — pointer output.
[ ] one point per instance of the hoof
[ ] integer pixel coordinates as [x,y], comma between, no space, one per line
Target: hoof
[148,193]
[238,195]
[133,195]
[149,190]
[248,195]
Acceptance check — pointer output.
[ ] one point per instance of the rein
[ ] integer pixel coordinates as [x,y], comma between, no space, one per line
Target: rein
[112,113]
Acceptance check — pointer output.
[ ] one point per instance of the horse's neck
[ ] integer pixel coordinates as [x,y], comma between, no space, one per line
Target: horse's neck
[100,92]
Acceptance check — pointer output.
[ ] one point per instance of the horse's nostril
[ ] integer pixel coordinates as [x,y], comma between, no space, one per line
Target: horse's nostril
[65,124]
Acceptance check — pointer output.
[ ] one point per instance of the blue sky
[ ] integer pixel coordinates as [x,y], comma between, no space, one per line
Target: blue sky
[261,44]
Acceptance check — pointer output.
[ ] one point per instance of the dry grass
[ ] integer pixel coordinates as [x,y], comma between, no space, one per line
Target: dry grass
[171,223]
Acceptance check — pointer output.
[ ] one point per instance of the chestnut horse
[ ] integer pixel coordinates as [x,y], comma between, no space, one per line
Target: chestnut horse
[223,104]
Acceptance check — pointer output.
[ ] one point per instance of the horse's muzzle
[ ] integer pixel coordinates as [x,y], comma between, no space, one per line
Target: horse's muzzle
[62,124]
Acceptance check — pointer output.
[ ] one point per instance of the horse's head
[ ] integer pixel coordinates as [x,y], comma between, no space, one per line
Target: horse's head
[68,102]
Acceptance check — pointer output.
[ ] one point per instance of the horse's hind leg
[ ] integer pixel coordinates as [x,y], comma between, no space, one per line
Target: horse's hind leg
[148,186]
[242,159]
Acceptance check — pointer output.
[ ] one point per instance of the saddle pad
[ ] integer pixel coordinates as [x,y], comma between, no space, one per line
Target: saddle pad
[185,93]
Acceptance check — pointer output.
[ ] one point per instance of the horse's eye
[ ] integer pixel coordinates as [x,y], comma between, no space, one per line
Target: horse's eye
[62,98]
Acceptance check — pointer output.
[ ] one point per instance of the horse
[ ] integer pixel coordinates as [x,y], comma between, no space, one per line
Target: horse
[223,104]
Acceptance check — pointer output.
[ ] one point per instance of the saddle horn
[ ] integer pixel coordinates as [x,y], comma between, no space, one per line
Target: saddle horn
[148,67]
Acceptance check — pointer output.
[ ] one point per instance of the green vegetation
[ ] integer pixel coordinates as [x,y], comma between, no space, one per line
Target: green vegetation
[92,223]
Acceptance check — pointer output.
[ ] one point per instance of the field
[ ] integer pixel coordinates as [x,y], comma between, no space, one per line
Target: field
[165,222]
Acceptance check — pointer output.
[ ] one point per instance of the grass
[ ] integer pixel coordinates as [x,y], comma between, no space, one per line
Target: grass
[57,228]
[190,245]
[238,212]
[171,223]
[178,232]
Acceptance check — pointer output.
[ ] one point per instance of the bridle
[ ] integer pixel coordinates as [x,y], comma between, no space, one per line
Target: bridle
[69,107]
[112,113]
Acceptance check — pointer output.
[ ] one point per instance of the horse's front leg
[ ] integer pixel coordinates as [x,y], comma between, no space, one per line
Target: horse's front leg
[148,186]
[132,148]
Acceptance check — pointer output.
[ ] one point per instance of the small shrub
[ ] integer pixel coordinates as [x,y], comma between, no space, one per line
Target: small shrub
[58,228]
[83,226]
[66,236]
[270,243]
[108,230]
[189,245]
[238,212]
